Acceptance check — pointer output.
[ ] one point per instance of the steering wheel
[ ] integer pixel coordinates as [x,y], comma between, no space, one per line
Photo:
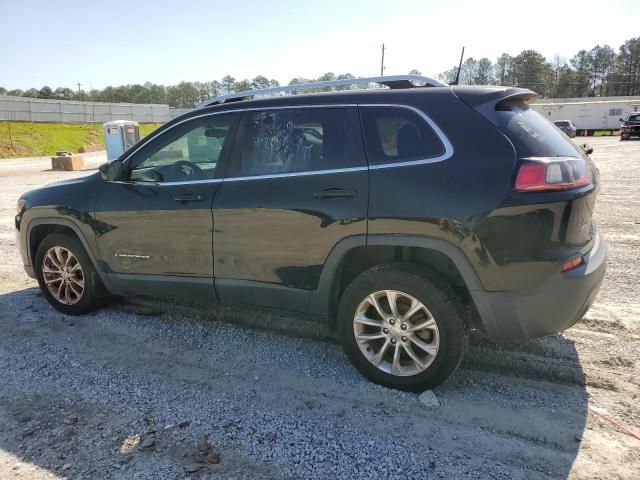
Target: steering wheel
[188,170]
[313,133]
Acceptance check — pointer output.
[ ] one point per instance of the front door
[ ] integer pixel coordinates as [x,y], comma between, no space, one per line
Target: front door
[296,184]
[155,227]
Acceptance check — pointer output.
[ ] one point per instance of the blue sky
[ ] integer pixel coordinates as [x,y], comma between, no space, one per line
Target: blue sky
[113,43]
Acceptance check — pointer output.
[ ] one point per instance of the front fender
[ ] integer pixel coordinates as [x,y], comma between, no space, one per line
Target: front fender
[87,240]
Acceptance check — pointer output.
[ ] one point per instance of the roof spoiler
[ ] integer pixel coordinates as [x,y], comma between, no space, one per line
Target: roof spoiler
[487,100]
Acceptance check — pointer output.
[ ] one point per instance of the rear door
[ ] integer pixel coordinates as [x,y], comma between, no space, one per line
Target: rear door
[296,185]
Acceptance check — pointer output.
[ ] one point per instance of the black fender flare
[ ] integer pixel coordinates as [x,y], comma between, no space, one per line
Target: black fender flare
[319,302]
[38,221]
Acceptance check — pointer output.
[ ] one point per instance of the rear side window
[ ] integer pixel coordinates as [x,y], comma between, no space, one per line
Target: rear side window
[289,141]
[533,135]
[395,134]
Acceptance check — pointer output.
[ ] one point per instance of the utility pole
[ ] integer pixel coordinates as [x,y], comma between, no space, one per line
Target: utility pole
[79,95]
[382,62]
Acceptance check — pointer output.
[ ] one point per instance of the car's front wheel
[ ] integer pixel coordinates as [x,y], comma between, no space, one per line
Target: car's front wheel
[66,275]
[401,328]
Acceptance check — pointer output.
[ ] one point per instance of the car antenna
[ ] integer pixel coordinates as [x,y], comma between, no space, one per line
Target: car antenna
[455,82]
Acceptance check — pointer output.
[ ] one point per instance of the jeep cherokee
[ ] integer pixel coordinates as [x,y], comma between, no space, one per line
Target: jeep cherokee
[404,217]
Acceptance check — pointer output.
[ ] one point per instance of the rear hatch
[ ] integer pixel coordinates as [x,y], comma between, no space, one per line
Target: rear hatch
[550,167]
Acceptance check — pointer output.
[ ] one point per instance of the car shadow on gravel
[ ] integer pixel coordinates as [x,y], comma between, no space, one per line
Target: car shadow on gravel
[161,390]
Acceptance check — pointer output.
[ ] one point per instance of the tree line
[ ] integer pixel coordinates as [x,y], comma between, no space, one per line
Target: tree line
[600,71]
[182,95]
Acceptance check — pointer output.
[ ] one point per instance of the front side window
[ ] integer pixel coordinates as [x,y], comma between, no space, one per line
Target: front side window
[187,152]
[395,134]
[295,140]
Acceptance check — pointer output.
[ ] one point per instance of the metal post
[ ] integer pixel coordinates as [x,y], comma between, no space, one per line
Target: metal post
[10,136]
[382,62]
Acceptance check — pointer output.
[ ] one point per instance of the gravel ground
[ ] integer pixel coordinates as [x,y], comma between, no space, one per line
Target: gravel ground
[145,390]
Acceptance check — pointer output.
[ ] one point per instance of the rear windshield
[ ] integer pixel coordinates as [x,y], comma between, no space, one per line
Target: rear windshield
[562,124]
[532,134]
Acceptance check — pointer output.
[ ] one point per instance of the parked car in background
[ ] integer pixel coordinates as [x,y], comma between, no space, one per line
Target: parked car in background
[567,127]
[403,218]
[630,126]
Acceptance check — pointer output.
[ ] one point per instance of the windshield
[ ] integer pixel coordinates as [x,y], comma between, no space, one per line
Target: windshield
[562,124]
[634,118]
[533,135]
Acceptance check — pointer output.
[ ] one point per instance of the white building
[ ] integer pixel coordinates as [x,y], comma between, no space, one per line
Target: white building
[590,113]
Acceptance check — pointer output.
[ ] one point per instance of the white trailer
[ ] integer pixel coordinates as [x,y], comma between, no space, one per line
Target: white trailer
[591,113]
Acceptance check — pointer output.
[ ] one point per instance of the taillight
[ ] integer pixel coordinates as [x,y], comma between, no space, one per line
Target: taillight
[573,263]
[553,173]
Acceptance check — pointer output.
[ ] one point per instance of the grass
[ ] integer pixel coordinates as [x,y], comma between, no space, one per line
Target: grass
[20,139]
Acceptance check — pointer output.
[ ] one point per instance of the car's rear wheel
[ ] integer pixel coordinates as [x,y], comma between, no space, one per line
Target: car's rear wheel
[400,328]
[66,275]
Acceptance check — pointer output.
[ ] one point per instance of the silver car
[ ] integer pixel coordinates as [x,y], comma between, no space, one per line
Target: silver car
[567,127]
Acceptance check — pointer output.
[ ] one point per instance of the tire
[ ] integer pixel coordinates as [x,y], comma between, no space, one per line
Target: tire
[446,338]
[84,291]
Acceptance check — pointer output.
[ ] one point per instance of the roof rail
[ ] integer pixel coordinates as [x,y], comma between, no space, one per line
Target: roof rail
[391,81]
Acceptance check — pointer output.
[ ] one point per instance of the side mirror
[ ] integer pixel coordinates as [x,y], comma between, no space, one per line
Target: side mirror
[111,171]
[622,120]
[588,149]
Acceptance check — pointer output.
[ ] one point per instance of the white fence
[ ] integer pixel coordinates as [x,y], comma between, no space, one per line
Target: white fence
[23,109]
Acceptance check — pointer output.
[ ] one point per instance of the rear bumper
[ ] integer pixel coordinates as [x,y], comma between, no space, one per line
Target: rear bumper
[557,304]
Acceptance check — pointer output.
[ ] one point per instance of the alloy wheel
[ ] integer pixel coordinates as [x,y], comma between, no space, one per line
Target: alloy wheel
[63,275]
[396,332]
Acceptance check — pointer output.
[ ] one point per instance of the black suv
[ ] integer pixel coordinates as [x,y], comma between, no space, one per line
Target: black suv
[630,126]
[403,217]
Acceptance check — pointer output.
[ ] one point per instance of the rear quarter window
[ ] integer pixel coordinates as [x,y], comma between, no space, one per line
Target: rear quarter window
[396,134]
[533,135]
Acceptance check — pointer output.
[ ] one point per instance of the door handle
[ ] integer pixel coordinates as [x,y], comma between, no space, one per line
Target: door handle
[190,197]
[335,194]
